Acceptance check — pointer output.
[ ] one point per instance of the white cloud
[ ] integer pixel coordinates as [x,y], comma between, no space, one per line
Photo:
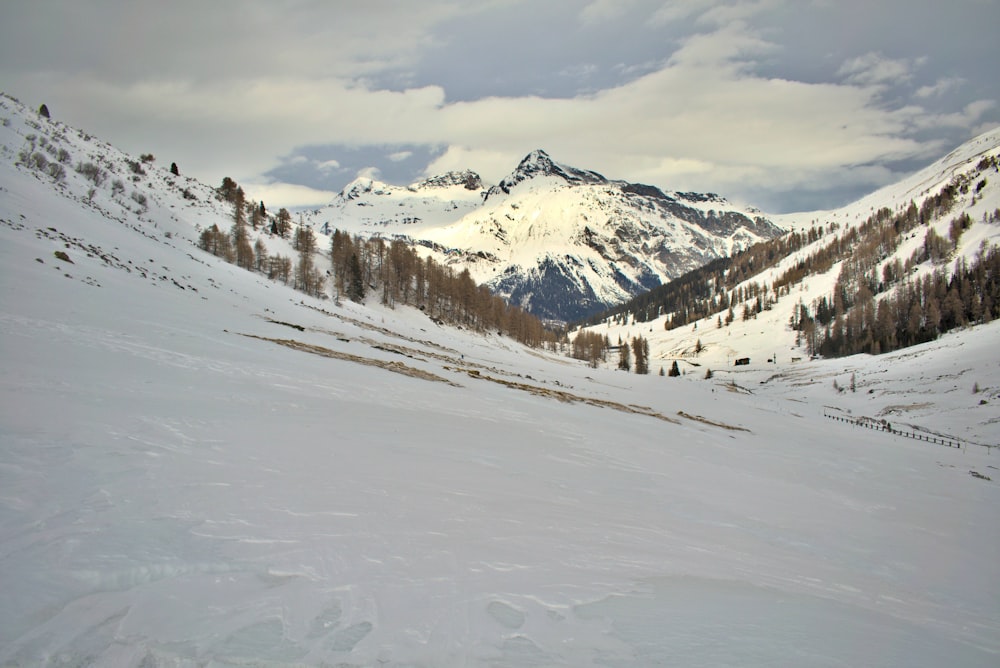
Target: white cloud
[325,166]
[939,87]
[276,195]
[874,69]
[733,45]
[676,10]
[400,156]
[372,173]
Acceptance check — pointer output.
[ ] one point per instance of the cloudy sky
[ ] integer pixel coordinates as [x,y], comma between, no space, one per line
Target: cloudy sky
[783,104]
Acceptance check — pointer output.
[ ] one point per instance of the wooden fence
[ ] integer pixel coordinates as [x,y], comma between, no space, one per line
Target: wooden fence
[868,423]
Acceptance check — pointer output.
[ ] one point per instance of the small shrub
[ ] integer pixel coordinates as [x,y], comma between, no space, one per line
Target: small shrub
[117,187]
[139,198]
[975,387]
[62,256]
[56,171]
[63,156]
[91,172]
[37,161]
[136,168]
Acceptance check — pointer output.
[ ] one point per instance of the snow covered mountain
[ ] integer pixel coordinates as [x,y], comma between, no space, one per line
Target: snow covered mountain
[559,241]
[203,467]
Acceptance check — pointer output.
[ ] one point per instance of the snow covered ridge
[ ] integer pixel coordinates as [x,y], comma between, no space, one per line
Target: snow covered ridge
[202,467]
[559,241]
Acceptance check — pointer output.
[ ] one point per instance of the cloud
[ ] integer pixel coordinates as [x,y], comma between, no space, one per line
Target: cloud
[276,195]
[874,69]
[702,120]
[699,96]
[372,173]
[678,10]
[603,10]
[733,46]
[939,87]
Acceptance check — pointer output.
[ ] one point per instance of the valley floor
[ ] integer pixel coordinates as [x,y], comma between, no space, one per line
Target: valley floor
[177,493]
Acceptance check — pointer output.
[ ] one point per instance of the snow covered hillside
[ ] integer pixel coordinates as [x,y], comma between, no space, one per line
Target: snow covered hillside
[559,241]
[768,339]
[200,467]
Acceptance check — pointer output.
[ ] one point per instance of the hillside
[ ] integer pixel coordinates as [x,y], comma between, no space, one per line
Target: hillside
[203,467]
[944,217]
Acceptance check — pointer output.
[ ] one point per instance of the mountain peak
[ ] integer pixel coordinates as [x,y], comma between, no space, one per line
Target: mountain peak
[467,179]
[538,163]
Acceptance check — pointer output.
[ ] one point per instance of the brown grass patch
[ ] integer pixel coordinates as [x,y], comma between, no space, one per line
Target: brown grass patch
[570,398]
[394,366]
[721,425]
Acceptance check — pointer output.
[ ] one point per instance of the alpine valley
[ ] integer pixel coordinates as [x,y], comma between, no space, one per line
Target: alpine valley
[561,242]
[209,460]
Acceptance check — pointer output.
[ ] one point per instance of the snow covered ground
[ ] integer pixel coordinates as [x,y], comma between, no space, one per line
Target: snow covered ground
[199,467]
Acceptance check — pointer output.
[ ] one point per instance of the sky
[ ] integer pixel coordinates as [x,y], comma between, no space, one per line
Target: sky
[786,105]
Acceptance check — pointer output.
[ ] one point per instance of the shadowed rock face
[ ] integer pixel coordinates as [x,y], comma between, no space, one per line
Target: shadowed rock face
[538,163]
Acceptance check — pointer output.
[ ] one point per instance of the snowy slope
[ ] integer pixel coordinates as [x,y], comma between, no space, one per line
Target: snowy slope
[559,241]
[770,336]
[199,467]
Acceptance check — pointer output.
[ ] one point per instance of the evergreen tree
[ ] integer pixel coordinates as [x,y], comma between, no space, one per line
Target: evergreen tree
[284,223]
[174,170]
[624,358]
[228,189]
[43,111]
[640,349]
[305,244]
[356,283]
[674,370]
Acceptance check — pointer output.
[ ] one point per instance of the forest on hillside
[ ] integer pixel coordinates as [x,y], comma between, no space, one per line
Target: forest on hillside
[876,306]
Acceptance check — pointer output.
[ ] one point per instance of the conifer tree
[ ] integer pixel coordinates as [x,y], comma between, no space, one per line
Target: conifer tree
[624,358]
[284,223]
[640,349]
[356,283]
